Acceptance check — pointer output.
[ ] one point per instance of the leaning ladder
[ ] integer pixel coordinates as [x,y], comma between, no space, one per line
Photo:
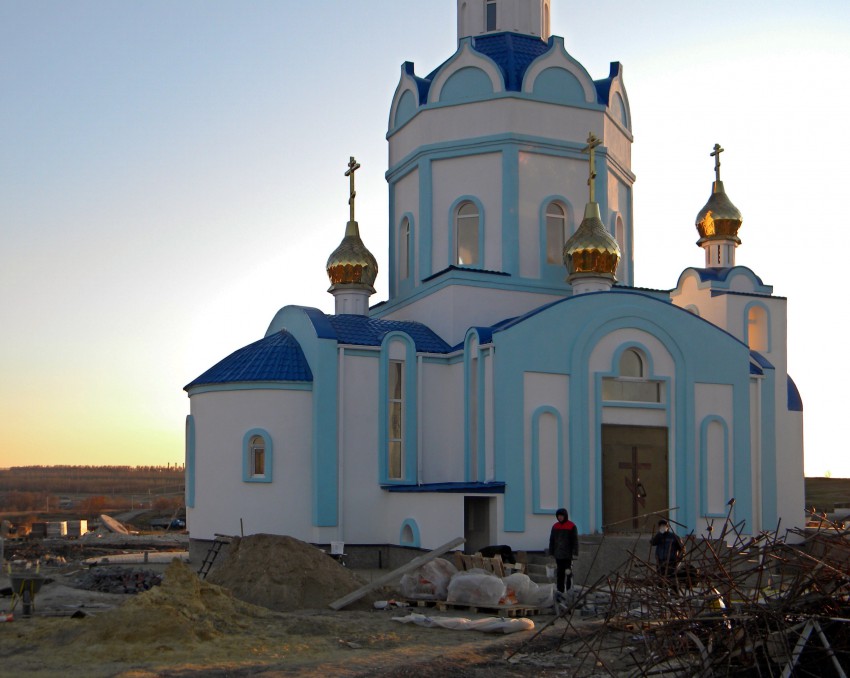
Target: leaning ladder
[212,554]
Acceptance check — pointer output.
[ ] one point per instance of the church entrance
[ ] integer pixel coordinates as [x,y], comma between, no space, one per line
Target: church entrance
[476,523]
[634,477]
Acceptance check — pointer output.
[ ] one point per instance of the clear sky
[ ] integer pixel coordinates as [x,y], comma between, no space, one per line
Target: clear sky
[171,173]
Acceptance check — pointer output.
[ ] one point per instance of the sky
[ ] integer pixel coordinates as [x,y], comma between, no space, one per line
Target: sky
[171,174]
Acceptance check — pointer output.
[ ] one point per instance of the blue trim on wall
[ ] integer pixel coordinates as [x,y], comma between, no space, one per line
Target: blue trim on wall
[426,218]
[190,461]
[453,231]
[247,471]
[478,430]
[410,424]
[768,324]
[704,470]
[450,488]
[414,529]
[769,469]
[535,458]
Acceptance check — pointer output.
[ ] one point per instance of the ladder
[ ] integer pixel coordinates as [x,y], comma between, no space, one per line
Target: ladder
[212,554]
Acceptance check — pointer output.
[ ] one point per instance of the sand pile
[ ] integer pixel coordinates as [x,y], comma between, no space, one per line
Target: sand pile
[284,574]
[182,611]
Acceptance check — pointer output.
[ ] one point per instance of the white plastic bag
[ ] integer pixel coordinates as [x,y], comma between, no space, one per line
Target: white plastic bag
[475,588]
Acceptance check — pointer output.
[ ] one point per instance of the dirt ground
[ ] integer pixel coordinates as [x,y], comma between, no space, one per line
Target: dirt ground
[189,627]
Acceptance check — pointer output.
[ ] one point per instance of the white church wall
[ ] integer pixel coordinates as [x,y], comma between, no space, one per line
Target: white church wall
[481,121]
[405,202]
[439,516]
[222,418]
[469,177]
[756,451]
[546,440]
[441,426]
[790,491]
[451,311]
[712,445]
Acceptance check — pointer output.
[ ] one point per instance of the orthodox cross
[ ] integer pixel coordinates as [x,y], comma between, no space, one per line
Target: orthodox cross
[592,143]
[634,485]
[353,166]
[716,155]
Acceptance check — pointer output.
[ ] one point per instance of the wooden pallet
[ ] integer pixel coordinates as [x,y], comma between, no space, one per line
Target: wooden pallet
[498,610]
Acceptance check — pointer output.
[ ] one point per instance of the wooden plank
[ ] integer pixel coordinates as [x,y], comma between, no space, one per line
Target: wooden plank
[412,565]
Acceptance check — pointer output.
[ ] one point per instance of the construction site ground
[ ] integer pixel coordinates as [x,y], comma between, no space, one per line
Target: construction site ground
[191,627]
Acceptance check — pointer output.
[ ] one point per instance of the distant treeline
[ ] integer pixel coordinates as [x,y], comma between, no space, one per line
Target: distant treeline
[101,480]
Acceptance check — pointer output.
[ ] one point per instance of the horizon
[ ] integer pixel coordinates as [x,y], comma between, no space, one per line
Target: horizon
[173,174]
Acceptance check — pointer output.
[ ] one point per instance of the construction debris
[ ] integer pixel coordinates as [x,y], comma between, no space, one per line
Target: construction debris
[738,604]
[118,580]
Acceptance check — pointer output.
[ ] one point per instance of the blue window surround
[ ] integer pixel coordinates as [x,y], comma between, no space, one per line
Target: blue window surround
[535,458]
[767,325]
[452,259]
[247,475]
[476,428]
[555,272]
[704,470]
[190,461]
[414,529]
[410,431]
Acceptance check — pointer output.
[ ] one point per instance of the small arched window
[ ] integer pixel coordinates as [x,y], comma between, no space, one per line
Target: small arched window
[757,329]
[467,222]
[490,15]
[631,364]
[556,229]
[404,249]
[258,456]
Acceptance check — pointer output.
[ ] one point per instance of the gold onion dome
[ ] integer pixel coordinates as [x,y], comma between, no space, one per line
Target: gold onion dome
[719,219]
[591,250]
[351,263]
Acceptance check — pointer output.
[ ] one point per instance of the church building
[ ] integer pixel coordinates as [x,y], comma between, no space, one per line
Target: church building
[514,367]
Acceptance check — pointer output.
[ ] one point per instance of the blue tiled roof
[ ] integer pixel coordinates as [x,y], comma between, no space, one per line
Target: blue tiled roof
[364,331]
[513,53]
[795,402]
[277,357]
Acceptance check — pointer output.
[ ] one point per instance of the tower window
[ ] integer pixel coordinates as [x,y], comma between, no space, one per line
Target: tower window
[467,222]
[758,335]
[490,15]
[258,456]
[404,250]
[556,223]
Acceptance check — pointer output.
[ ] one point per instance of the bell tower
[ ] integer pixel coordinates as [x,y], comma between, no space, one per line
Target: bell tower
[480,17]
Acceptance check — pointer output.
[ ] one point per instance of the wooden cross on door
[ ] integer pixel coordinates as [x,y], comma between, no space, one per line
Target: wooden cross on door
[634,485]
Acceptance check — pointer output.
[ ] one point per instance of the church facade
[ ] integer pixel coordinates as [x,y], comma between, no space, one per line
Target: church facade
[514,368]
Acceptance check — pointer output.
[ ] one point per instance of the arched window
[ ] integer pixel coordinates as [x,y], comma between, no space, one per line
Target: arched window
[556,229]
[257,457]
[404,249]
[631,364]
[467,222]
[395,420]
[397,417]
[545,35]
[758,335]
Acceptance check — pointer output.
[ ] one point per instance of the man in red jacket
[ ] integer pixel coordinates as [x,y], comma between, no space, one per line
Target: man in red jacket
[563,546]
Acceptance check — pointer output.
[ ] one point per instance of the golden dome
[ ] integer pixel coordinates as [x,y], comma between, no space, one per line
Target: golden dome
[719,219]
[351,264]
[591,250]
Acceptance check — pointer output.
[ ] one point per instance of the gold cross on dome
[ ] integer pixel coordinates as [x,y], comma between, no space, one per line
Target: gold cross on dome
[592,143]
[716,155]
[353,166]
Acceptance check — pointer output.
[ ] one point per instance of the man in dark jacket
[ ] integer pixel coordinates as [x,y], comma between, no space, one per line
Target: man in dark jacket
[563,546]
[668,550]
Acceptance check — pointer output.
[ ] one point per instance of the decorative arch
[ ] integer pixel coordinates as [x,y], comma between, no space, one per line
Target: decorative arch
[550,87]
[547,460]
[466,57]
[257,456]
[714,466]
[757,327]
[554,269]
[405,109]
[408,534]
[397,423]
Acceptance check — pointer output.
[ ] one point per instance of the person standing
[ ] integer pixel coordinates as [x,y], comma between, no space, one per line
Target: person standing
[668,550]
[563,546]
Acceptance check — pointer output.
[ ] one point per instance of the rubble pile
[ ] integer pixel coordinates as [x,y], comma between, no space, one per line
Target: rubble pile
[285,574]
[737,605]
[118,580]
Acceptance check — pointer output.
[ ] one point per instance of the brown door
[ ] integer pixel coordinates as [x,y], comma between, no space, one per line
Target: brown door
[634,477]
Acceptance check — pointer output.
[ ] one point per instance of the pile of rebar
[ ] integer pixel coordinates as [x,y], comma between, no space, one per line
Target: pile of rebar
[737,604]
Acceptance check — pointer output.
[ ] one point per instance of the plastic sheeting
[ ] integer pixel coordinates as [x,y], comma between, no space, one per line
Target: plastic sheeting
[487,624]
